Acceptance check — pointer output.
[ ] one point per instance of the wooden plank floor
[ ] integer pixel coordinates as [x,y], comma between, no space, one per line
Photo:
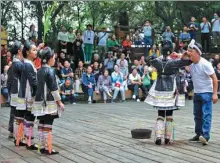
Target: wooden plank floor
[100,133]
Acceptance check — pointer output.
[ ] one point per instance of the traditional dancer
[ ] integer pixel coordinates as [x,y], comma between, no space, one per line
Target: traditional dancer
[26,95]
[163,93]
[48,103]
[13,84]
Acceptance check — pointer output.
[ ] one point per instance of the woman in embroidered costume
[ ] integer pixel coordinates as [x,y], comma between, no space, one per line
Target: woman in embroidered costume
[48,105]
[13,84]
[26,95]
[163,93]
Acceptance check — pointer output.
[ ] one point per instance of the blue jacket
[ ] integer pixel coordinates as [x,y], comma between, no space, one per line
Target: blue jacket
[86,79]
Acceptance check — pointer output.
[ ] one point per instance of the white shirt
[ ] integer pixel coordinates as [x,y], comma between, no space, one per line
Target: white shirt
[201,72]
[133,78]
[89,37]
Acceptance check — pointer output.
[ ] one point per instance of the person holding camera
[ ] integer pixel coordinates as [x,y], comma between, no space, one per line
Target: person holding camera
[89,36]
[193,28]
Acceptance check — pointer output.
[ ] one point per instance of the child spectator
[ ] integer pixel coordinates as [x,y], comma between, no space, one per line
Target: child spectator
[67,91]
[66,72]
[104,85]
[78,75]
[112,43]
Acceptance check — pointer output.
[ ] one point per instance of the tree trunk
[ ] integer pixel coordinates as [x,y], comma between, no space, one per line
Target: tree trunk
[22,20]
[39,21]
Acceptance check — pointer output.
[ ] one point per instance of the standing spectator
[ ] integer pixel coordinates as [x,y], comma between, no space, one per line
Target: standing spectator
[4,89]
[71,37]
[216,29]
[205,30]
[124,70]
[88,83]
[89,43]
[102,43]
[117,84]
[67,91]
[78,75]
[134,83]
[148,33]
[109,62]
[169,36]
[62,38]
[193,27]
[66,72]
[78,51]
[104,85]
[32,33]
[184,36]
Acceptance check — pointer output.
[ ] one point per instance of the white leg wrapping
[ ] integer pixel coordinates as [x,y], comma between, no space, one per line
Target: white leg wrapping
[159,128]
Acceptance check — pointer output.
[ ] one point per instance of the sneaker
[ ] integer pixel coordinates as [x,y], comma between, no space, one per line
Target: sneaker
[73,103]
[195,138]
[134,97]
[89,102]
[138,100]
[203,140]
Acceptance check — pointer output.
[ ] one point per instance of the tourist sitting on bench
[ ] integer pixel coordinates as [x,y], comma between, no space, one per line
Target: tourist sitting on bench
[67,91]
[134,83]
[88,83]
[104,85]
[117,84]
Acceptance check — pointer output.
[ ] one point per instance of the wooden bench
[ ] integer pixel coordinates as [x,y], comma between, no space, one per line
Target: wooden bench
[3,100]
[128,95]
